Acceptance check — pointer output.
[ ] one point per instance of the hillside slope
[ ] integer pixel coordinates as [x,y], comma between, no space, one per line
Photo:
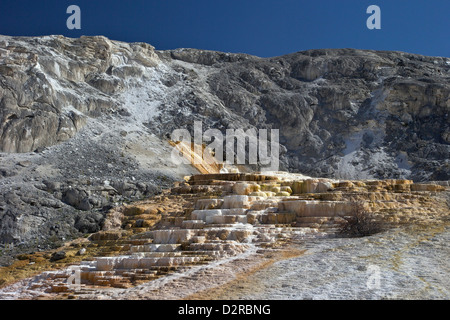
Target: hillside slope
[85,122]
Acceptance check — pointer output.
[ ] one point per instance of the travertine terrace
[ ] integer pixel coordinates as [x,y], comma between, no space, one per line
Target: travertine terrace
[210,218]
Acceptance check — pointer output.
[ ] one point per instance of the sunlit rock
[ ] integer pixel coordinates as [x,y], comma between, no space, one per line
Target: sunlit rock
[236,201]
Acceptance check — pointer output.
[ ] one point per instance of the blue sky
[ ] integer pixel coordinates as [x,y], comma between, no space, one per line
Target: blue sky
[263,28]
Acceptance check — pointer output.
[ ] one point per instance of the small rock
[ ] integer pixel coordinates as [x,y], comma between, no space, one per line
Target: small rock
[59,255]
[85,205]
[52,185]
[81,252]
[25,163]
[39,150]
[139,223]
[361,268]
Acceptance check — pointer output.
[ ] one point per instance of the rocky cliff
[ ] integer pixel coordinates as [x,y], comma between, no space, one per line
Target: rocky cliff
[85,122]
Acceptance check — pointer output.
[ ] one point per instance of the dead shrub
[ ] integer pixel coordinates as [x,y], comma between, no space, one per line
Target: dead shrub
[361,223]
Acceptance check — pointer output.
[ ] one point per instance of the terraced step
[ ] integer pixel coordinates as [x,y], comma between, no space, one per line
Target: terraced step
[214,216]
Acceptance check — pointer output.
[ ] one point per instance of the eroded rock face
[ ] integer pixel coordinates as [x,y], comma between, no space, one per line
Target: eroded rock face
[341,113]
[50,85]
[339,110]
